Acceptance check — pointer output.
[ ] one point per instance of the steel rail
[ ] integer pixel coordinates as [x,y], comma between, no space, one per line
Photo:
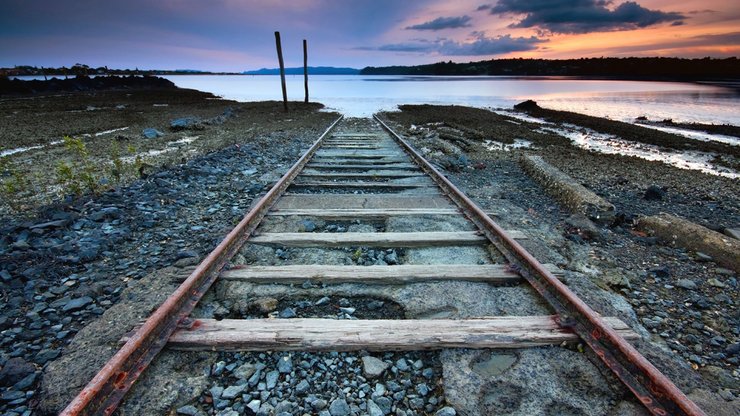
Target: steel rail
[105,391]
[651,387]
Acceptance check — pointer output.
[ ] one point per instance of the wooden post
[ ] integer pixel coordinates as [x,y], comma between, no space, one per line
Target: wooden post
[282,70]
[305,68]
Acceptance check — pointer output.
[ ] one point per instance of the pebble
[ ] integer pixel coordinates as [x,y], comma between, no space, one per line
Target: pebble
[85,251]
[686,284]
[373,409]
[77,304]
[189,410]
[302,387]
[373,367]
[446,411]
[232,391]
[339,407]
[271,379]
[287,313]
[285,364]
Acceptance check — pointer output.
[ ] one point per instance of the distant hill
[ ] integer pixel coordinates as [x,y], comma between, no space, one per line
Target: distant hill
[623,68]
[312,70]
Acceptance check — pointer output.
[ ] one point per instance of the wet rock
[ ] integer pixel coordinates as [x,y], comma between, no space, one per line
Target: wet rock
[687,284]
[654,193]
[733,349]
[732,232]
[584,227]
[15,370]
[12,395]
[184,254]
[527,105]
[186,123]
[716,283]
[151,133]
[77,304]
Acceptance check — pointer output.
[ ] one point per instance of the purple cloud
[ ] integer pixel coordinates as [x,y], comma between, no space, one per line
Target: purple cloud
[441,23]
[582,16]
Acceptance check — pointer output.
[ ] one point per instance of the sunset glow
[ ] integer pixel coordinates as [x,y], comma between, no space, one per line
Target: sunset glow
[230,35]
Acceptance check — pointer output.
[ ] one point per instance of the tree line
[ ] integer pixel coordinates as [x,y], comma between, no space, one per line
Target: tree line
[631,68]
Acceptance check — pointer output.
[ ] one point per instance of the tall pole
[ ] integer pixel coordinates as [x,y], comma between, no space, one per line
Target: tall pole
[282,70]
[305,68]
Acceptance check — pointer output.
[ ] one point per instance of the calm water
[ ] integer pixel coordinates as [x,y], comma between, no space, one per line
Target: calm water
[361,96]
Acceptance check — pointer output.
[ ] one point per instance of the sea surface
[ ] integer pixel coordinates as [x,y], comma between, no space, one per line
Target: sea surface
[361,96]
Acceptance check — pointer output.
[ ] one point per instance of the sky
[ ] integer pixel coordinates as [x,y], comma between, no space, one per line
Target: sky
[236,35]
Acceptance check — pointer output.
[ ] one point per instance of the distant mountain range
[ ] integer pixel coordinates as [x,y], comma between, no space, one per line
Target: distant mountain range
[312,70]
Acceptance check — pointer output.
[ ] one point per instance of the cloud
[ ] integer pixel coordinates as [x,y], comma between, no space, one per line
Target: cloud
[443,23]
[582,16]
[480,46]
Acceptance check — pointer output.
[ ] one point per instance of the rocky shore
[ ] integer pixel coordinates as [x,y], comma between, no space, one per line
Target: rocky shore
[686,302]
[64,265]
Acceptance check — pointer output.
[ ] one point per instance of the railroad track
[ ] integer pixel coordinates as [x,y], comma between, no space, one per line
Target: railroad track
[378,196]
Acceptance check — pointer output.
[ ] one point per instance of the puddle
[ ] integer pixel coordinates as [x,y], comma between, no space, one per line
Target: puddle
[56,142]
[520,116]
[695,135]
[101,133]
[518,144]
[19,150]
[609,144]
[169,148]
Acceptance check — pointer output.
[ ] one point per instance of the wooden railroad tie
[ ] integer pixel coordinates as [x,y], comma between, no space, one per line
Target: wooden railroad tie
[416,239]
[383,275]
[312,334]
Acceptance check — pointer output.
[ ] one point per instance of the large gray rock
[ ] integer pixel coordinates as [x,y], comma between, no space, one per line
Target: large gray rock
[525,382]
[373,367]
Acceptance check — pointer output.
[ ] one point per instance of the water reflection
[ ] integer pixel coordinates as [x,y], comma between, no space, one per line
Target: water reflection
[362,96]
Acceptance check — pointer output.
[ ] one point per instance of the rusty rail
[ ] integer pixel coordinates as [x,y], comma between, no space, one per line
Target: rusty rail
[104,392]
[653,389]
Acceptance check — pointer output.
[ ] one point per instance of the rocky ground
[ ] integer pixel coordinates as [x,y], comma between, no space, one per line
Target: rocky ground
[65,264]
[123,134]
[688,303]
